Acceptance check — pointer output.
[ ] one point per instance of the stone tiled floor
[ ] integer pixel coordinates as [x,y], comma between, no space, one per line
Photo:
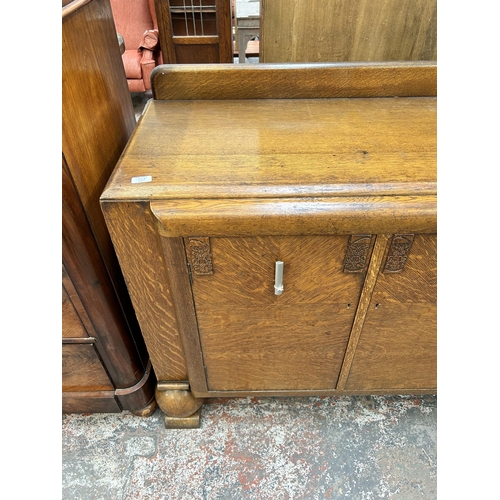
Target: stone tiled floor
[266,448]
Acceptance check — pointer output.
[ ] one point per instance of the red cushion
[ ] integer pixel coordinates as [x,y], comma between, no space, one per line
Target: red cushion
[132,63]
[132,19]
[136,85]
[149,40]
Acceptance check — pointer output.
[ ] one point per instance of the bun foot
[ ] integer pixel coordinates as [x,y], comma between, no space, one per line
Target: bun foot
[182,410]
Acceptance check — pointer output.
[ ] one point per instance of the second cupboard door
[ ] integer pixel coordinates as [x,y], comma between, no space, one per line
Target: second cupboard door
[253,339]
[397,348]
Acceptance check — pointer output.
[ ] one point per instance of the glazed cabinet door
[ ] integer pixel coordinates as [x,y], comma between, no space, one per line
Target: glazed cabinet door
[397,348]
[253,339]
[195,32]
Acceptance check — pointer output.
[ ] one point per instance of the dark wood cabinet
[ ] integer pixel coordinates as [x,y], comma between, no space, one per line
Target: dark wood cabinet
[282,246]
[195,31]
[106,367]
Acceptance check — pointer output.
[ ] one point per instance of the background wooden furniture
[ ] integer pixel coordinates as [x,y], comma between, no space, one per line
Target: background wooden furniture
[105,364]
[354,30]
[343,191]
[195,31]
[247,25]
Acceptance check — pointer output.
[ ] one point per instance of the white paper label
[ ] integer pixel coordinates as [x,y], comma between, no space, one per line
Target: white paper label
[139,180]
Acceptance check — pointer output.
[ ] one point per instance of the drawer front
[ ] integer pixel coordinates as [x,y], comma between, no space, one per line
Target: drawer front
[397,348]
[90,402]
[253,339]
[82,369]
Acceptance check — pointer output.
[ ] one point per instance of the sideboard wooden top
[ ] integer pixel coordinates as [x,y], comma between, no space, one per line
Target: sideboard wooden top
[280,148]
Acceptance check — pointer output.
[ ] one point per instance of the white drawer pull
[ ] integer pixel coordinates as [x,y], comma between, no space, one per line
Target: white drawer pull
[278,278]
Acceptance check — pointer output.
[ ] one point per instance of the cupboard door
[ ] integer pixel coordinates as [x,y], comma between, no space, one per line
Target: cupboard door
[397,348]
[253,339]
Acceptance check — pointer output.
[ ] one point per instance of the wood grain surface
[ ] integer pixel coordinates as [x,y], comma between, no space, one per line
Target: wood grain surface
[253,339]
[72,326]
[294,80]
[90,401]
[89,276]
[75,320]
[97,112]
[362,307]
[69,6]
[185,313]
[76,303]
[292,216]
[138,246]
[97,120]
[82,370]
[213,45]
[280,148]
[397,347]
[254,181]
[356,30]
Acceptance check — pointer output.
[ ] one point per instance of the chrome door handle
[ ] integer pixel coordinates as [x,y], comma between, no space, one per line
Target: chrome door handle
[278,278]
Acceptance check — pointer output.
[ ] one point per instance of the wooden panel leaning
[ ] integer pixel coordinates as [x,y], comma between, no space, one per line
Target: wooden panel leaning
[354,30]
[235,173]
[294,81]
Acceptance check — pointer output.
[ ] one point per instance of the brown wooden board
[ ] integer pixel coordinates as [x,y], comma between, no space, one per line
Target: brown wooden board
[97,120]
[294,81]
[90,402]
[82,369]
[354,30]
[139,250]
[280,148]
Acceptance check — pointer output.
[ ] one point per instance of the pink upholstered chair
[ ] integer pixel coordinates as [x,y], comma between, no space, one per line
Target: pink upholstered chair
[135,21]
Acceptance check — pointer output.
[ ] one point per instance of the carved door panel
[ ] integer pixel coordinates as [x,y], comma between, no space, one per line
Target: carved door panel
[397,346]
[252,339]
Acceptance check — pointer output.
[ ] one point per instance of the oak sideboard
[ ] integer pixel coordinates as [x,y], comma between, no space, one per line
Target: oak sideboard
[282,244]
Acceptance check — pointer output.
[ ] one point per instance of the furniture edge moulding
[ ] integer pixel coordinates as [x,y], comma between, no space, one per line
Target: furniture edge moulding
[314,80]
[296,216]
[71,6]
